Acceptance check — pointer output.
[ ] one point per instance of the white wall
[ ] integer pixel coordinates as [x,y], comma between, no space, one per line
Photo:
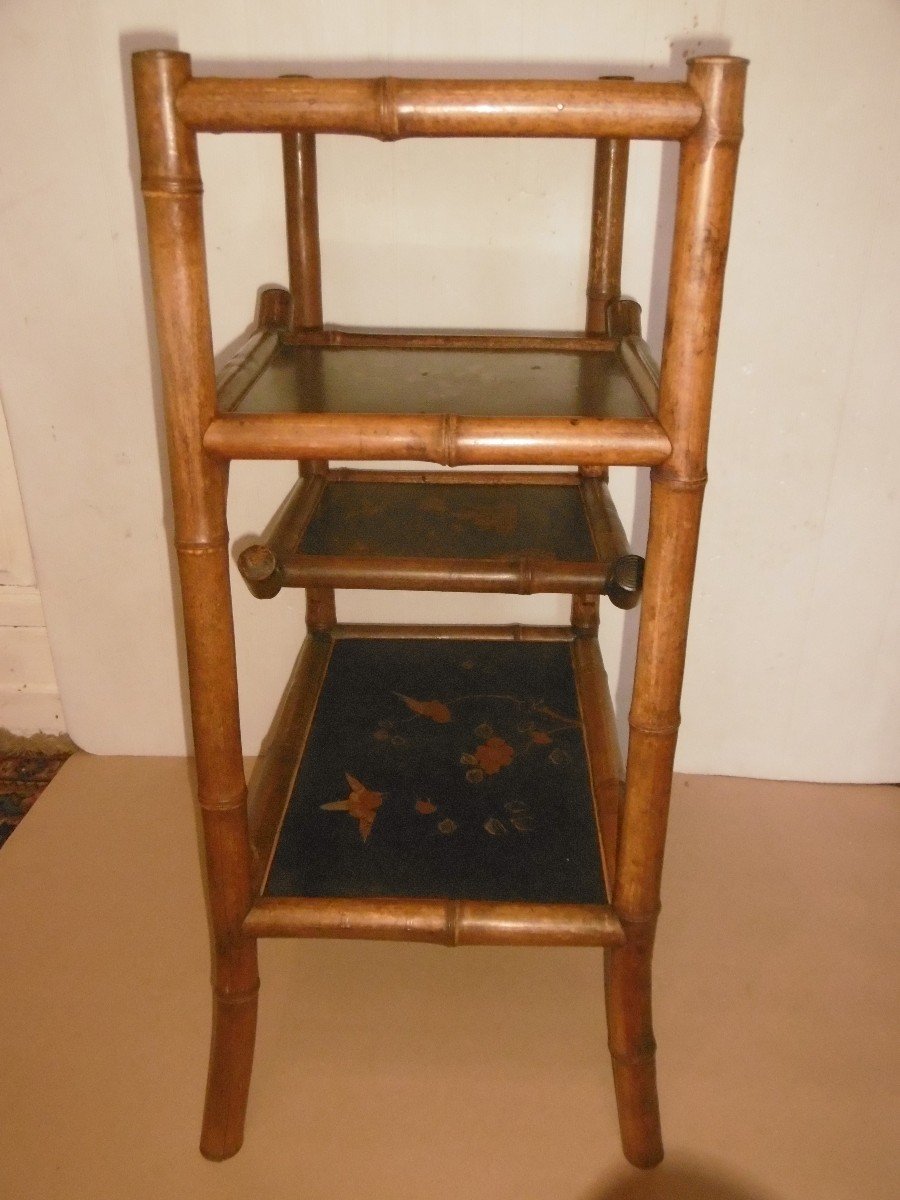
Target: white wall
[794,667]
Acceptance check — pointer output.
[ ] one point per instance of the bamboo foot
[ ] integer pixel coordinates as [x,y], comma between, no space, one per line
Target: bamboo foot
[632,1045]
[638,1105]
[230,1065]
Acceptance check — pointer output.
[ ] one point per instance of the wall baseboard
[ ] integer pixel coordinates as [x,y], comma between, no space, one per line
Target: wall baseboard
[29,698]
[20,606]
[26,712]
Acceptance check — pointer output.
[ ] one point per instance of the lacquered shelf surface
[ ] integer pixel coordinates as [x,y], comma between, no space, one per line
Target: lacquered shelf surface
[449,769]
[475,383]
[449,520]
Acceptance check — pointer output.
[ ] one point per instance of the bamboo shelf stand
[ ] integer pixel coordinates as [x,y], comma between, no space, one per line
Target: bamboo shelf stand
[428,783]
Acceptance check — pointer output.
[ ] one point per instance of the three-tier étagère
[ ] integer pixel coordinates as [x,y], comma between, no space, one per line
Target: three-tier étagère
[451,784]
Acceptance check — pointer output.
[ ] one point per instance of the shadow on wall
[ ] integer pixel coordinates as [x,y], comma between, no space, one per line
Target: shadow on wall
[678,1180]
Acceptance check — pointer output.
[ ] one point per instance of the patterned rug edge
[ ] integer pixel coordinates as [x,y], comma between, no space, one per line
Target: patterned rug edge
[27,765]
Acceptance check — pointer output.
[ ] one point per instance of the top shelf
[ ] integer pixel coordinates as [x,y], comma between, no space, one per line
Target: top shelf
[450,399]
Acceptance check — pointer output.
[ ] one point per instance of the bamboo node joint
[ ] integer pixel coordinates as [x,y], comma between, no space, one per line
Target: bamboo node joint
[242,997]
[678,483]
[170,185]
[207,546]
[388,120]
[655,730]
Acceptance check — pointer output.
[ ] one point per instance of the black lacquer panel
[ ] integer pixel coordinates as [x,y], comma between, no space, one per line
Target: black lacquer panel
[450,520]
[443,769]
[499,383]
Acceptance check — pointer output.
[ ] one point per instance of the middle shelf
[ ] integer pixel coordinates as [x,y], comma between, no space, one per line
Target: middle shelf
[514,532]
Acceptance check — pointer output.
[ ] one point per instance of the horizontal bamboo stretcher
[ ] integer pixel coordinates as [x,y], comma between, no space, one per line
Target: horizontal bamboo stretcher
[514,532]
[511,841]
[389,108]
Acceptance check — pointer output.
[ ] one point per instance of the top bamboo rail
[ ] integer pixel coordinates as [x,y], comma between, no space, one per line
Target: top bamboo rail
[390,108]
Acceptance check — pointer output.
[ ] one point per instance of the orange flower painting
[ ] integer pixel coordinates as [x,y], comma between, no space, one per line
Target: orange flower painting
[494,754]
[362,804]
[433,709]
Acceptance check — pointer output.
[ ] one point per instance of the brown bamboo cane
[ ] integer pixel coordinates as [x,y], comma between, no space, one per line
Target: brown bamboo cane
[333,337]
[305,274]
[604,281]
[302,211]
[703,217]
[445,922]
[607,225]
[254,354]
[440,438]
[390,108]
[171,186]
[607,229]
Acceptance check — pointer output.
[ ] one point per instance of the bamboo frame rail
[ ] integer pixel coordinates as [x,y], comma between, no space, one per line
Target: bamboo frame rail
[446,922]
[635,356]
[204,432]
[391,108]
[271,785]
[439,438]
[253,355]
[358,339]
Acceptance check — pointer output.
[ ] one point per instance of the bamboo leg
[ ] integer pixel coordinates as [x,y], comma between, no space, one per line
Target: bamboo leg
[632,1046]
[172,187]
[231,1051]
[705,194]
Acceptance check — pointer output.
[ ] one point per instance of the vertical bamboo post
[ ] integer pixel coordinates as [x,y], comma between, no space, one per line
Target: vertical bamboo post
[607,227]
[305,275]
[703,219]
[302,212]
[604,283]
[170,180]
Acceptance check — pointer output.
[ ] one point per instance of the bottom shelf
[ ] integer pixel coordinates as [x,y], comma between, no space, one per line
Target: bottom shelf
[444,785]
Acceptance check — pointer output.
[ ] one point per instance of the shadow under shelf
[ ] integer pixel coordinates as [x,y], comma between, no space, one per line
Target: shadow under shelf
[445,784]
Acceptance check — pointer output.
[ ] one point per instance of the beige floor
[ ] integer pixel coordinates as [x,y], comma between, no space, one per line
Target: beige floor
[419,1072]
